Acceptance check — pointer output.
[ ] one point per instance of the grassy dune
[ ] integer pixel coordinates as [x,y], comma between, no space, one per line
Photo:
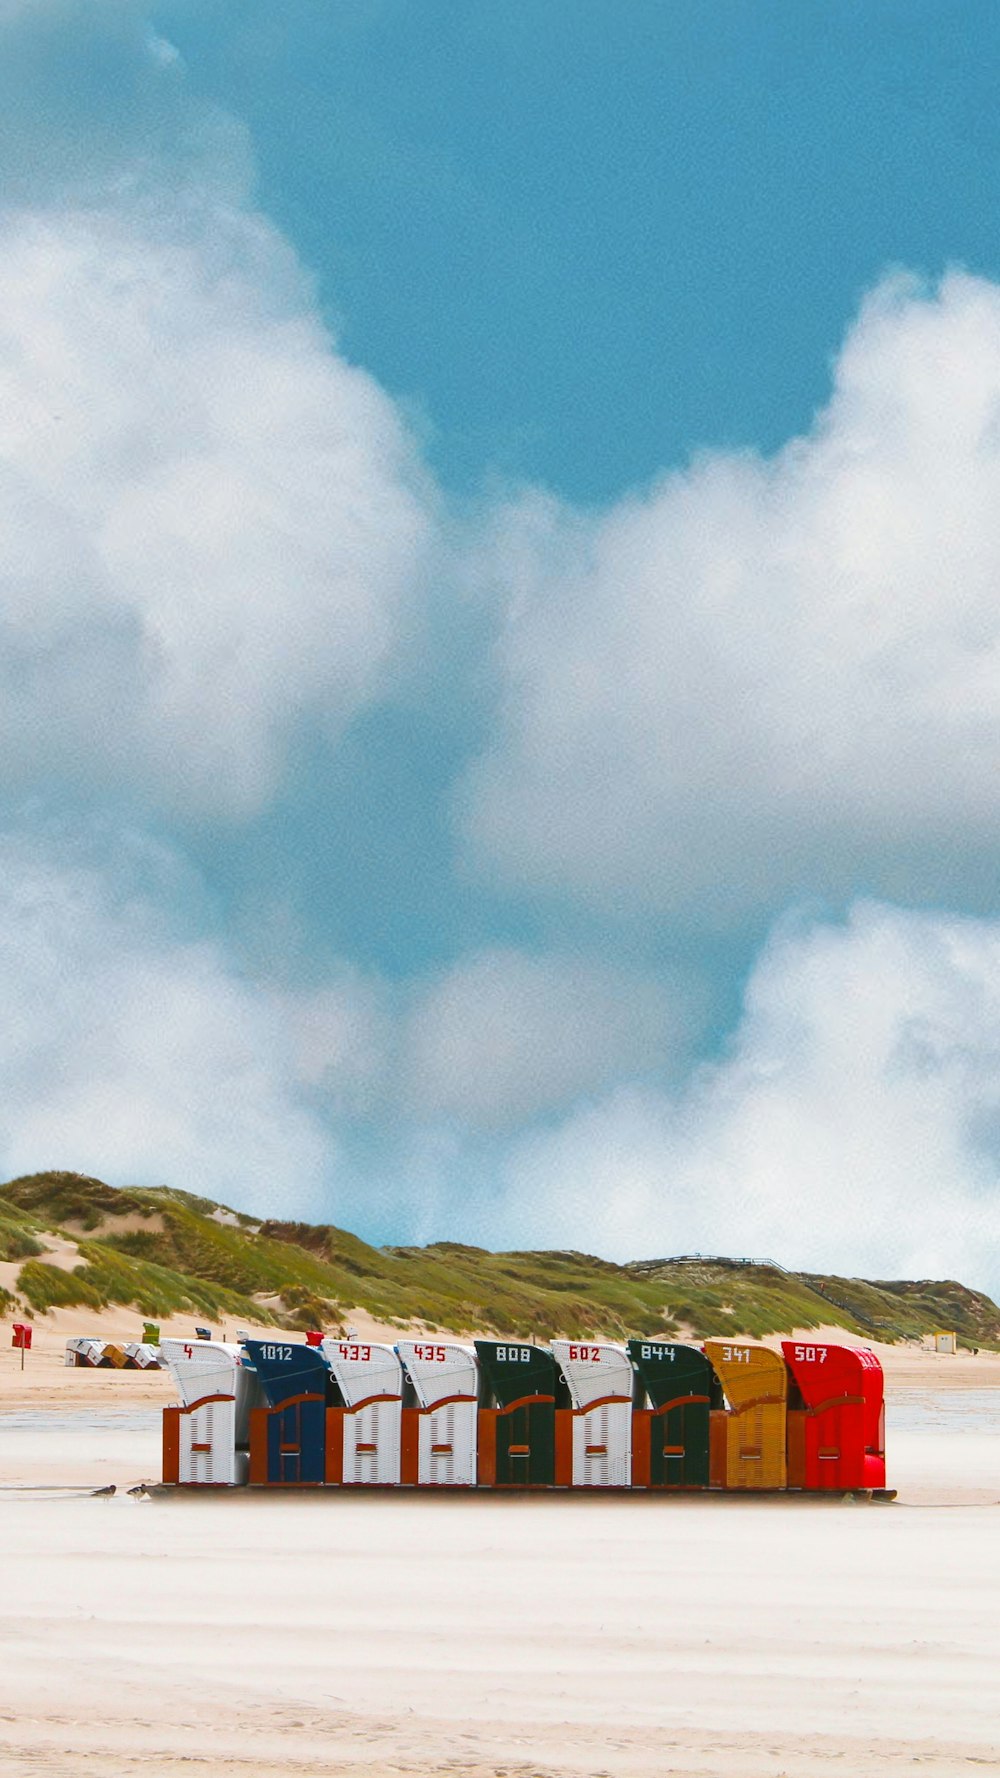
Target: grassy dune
[159,1250]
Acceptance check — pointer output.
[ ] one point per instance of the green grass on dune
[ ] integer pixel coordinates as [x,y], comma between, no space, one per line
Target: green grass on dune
[49,1287]
[16,1242]
[57,1198]
[18,1232]
[461,1288]
[161,1290]
[912,1307]
[176,1255]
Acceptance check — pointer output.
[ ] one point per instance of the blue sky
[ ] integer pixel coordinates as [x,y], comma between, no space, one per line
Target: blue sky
[585,241]
[500,618]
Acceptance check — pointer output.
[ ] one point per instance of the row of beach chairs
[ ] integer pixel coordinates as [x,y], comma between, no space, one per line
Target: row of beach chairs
[507,1414]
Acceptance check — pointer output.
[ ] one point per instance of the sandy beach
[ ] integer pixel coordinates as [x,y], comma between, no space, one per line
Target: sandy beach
[45,1380]
[488,1637]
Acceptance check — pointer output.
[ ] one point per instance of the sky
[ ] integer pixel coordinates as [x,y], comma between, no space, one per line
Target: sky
[500,618]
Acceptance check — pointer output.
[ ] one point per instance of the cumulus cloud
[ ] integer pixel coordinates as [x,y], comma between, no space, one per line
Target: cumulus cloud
[212,525]
[343,1041]
[770,678]
[853,1124]
[760,679]
[135,1050]
[213,528]
[489,1044]
[505,1036]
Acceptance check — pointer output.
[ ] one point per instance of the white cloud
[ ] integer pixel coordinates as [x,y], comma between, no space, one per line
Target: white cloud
[493,1042]
[770,678]
[854,1123]
[134,1052]
[211,523]
[504,1036]
[213,529]
[343,1040]
[760,678]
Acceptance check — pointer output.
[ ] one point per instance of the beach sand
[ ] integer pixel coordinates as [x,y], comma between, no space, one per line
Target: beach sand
[45,1380]
[232,1635]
